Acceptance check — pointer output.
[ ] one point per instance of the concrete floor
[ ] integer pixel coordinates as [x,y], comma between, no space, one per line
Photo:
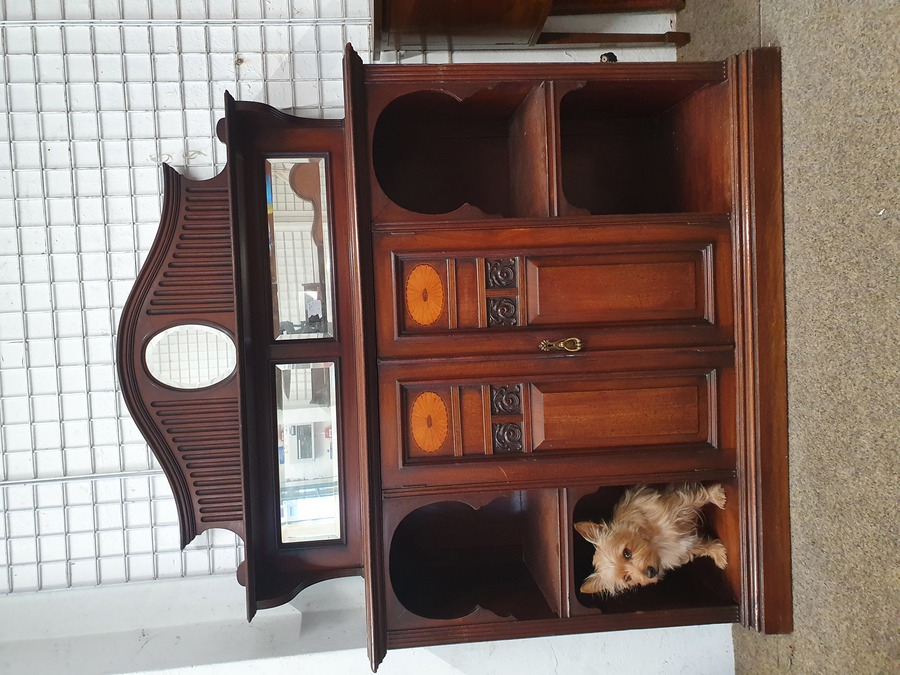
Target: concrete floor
[841,101]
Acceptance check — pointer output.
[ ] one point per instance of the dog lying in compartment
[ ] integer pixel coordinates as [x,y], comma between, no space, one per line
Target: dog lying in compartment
[651,532]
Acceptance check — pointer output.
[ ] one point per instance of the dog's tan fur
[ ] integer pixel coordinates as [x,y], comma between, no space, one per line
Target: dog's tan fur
[650,533]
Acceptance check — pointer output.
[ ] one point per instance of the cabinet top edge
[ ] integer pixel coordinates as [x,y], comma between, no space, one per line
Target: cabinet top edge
[711,71]
[491,222]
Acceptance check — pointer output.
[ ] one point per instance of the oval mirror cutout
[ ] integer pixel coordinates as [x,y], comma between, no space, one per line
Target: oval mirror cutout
[190,356]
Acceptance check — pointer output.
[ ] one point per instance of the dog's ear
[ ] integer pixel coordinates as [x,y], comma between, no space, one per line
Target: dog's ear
[591,531]
[592,584]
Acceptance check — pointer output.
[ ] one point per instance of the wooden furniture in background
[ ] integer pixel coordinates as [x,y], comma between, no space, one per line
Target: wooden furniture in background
[551,282]
[496,24]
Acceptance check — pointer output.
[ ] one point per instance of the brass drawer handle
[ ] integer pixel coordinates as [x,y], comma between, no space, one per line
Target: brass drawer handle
[572,344]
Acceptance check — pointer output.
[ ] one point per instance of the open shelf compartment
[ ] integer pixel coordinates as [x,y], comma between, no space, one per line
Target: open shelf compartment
[640,147]
[483,557]
[698,584]
[463,155]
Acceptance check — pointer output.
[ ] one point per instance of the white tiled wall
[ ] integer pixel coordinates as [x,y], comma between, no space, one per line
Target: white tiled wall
[95,95]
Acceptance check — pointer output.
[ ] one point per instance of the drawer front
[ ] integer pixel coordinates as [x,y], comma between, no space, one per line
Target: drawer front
[505,290]
[621,411]
[558,418]
[651,286]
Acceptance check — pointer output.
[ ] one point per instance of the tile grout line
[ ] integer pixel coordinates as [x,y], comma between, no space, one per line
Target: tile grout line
[80,478]
[186,22]
[45,185]
[25,359]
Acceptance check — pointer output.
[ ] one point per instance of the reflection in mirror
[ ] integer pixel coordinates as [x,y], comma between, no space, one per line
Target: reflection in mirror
[190,356]
[300,247]
[308,452]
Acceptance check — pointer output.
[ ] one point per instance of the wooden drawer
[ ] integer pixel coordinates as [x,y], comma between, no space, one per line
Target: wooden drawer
[556,418]
[649,281]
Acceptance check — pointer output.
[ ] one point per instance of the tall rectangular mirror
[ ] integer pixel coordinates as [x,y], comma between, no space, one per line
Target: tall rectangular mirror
[307,438]
[300,247]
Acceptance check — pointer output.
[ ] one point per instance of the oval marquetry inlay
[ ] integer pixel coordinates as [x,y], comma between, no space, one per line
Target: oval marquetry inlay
[428,421]
[424,295]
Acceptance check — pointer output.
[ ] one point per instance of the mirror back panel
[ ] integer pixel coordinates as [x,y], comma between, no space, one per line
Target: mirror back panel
[237,358]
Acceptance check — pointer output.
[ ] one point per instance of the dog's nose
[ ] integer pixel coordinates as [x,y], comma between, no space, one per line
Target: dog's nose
[651,572]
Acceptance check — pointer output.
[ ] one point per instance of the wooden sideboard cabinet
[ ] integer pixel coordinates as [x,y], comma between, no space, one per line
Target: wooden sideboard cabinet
[470,314]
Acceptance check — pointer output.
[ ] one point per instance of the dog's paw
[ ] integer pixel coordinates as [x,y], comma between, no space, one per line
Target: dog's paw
[717,495]
[716,551]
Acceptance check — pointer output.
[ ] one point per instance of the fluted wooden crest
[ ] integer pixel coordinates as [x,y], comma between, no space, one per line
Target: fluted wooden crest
[188,278]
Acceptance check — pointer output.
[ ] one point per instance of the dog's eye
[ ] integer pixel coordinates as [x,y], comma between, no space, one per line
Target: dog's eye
[626,553]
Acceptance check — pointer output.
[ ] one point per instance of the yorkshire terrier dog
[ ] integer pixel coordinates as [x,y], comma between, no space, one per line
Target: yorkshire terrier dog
[650,533]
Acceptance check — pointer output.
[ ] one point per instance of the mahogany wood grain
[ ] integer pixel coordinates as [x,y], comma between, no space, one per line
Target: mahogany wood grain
[364,344]
[644,412]
[665,444]
[596,622]
[647,281]
[528,160]
[188,277]
[542,547]
[419,77]
[698,143]
[579,289]
[762,351]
